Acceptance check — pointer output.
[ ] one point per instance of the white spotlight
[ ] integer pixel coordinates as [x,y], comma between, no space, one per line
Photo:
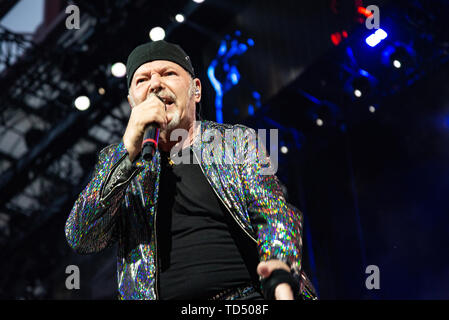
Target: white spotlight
[198,1]
[82,103]
[397,64]
[284,149]
[319,122]
[118,70]
[357,93]
[372,109]
[180,18]
[157,33]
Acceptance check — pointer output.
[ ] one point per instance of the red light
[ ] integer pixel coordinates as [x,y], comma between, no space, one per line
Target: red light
[336,38]
[365,12]
[344,33]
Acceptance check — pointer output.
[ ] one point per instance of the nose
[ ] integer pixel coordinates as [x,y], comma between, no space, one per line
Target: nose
[155,83]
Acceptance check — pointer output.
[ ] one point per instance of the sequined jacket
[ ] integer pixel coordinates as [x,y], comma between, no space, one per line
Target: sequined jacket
[120,204]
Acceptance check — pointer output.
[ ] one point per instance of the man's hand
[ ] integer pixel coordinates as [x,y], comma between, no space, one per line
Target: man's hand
[151,110]
[283,291]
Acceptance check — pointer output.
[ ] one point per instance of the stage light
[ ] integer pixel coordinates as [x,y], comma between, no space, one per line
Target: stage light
[82,103]
[374,39]
[157,33]
[101,91]
[234,75]
[256,95]
[319,122]
[234,78]
[198,1]
[372,109]
[251,110]
[243,47]
[118,70]
[361,86]
[401,58]
[397,64]
[180,18]
[284,149]
[336,38]
[364,11]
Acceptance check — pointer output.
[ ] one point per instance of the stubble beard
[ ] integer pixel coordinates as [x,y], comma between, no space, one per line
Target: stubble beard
[176,119]
[174,122]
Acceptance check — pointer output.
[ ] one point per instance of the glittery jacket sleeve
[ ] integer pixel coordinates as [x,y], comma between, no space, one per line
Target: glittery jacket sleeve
[91,225]
[278,223]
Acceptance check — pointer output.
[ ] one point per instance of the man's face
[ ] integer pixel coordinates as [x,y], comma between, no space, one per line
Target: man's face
[173,84]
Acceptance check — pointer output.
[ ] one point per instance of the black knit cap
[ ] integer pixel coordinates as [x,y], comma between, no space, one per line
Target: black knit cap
[157,50]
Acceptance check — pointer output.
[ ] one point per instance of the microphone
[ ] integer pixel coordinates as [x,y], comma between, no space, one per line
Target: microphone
[150,139]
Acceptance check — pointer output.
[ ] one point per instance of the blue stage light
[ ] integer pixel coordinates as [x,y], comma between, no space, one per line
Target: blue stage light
[228,49]
[222,49]
[234,78]
[218,89]
[363,73]
[243,47]
[256,95]
[251,110]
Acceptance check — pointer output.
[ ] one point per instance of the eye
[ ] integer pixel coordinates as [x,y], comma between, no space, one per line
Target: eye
[140,80]
[170,73]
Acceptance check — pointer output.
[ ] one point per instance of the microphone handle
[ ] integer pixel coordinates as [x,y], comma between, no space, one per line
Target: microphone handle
[150,141]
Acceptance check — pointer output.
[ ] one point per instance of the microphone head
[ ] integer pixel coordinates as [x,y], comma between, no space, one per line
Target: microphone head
[149,143]
[148,151]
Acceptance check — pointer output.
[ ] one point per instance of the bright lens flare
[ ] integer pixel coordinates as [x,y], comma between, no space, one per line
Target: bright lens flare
[82,103]
[157,33]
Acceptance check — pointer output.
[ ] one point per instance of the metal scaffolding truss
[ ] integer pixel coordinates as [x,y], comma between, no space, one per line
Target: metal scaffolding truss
[47,147]
[12,46]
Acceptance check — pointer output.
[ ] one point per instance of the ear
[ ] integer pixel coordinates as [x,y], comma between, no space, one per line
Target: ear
[131,102]
[197,91]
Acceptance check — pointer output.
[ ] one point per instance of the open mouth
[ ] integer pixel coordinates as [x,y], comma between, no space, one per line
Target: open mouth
[169,102]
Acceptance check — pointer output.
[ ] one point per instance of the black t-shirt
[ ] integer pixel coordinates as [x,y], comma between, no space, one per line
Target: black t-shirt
[202,251]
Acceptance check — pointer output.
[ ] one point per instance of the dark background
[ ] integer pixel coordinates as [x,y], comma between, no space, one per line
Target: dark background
[372,185]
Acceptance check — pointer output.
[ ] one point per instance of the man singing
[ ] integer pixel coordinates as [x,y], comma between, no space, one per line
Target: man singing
[201,229]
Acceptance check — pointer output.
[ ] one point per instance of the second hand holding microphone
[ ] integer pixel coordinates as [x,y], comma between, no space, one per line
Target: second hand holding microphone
[150,139]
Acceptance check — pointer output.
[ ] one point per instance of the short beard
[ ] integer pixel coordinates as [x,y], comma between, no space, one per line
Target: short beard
[175,121]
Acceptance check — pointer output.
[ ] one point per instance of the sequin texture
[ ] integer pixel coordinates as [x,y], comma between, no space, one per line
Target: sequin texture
[254,200]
